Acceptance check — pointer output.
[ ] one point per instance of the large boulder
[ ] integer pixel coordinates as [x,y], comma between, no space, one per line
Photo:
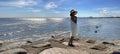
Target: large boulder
[15,51]
[116,52]
[108,43]
[41,45]
[13,45]
[91,41]
[99,47]
[60,40]
[56,50]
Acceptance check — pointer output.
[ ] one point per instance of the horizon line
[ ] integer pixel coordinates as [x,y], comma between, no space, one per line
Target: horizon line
[60,17]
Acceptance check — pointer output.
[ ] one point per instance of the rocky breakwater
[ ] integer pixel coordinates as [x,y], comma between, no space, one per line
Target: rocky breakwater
[59,45]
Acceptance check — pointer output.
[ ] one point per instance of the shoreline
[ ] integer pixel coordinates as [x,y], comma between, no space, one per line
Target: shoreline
[87,44]
[48,36]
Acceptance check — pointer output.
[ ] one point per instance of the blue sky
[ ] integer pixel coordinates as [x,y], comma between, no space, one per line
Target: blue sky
[58,8]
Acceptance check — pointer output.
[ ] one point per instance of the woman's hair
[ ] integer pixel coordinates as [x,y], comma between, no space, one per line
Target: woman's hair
[72,12]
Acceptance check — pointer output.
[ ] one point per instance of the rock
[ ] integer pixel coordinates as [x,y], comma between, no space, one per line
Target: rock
[1,42]
[95,31]
[108,43]
[53,37]
[15,51]
[76,39]
[91,41]
[13,45]
[97,27]
[66,43]
[99,47]
[60,39]
[29,41]
[42,45]
[56,50]
[116,52]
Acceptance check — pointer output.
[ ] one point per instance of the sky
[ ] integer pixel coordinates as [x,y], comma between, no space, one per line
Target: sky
[59,8]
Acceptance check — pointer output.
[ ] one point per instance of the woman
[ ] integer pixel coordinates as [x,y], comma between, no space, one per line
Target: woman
[73,27]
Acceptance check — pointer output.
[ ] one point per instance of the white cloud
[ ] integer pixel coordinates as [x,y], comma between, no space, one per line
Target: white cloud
[34,10]
[19,3]
[50,5]
[108,12]
[104,12]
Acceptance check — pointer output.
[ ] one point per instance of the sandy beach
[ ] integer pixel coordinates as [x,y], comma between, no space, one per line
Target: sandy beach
[58,45]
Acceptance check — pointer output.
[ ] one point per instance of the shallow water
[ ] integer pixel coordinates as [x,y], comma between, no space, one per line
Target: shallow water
[27,28]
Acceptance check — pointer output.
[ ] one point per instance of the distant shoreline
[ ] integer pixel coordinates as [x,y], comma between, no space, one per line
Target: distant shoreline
[58,17]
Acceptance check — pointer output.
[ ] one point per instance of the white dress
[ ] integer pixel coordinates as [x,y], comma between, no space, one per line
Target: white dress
[74,29]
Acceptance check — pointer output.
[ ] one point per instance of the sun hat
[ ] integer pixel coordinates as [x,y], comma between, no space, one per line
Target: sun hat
[72,11]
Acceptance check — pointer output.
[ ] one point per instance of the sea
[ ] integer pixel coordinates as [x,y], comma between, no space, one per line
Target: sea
[15,29]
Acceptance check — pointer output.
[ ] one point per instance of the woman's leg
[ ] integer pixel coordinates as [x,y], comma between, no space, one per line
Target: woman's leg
[71,41]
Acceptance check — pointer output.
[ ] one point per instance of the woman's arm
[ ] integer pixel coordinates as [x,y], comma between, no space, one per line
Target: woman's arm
[74,19]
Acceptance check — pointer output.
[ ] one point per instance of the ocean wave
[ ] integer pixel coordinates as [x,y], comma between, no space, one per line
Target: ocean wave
[34,19]
[27,21]
[12,24]
[7,34]
[57,19]
[3,34]
[26,39]
[11,33]
[42,37]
